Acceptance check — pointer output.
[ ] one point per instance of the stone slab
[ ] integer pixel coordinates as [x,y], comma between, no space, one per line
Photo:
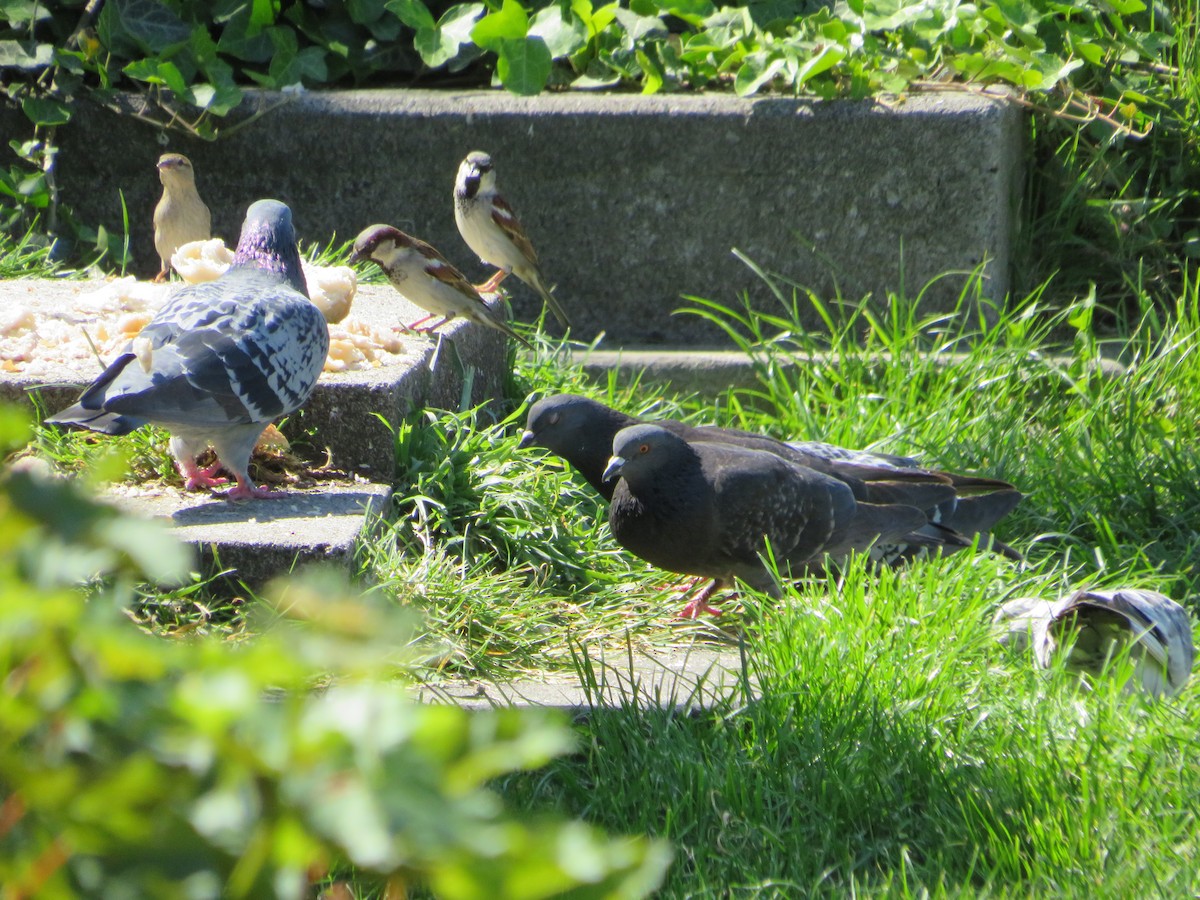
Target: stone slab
[632,201]
[710,372]
[261,539]
[344,410]
[689,677]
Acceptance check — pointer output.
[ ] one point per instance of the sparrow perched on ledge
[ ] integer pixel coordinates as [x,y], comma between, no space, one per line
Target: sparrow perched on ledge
[490,227]
[426,279]
[181,216]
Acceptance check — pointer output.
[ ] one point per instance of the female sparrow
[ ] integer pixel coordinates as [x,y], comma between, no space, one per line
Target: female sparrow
[490,227]
[426,279]
[181,216]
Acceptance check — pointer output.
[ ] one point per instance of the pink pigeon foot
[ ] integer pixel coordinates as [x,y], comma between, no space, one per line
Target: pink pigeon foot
[195,478]
[245,489]
[699,603]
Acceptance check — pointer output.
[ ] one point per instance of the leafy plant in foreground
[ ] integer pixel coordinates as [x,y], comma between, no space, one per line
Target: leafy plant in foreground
[135,765]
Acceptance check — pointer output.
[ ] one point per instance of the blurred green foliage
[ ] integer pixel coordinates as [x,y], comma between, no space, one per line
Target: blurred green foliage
[135,765]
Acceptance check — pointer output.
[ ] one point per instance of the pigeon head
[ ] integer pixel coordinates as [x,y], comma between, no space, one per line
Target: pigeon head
[474,172]
[268,241]
[641,452]
[563,423]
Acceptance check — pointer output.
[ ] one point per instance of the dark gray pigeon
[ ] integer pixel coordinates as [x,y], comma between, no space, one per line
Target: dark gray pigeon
[581,430]
[220,360]
[713,509]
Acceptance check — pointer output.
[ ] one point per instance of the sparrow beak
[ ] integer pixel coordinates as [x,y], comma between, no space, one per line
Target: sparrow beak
[613,469]
[528,439]
[359,256]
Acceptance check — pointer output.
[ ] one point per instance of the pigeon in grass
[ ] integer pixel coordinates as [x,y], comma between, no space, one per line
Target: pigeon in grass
[713,510]
[180,216]
[580,430]
[220,360]
[490,227]
[1093,627]
[427,280]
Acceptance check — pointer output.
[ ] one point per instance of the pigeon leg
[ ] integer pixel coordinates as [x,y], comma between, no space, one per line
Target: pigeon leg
[492,283]
[195,477]
[699,603]
[162,276]
[245,489]
[684,587]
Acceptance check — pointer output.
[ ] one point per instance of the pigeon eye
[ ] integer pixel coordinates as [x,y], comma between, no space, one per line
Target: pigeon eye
[554,419]
[645,448]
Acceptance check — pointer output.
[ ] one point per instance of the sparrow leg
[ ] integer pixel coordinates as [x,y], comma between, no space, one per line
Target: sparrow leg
[431,328]
[413,326]
[699,603]
[492,283]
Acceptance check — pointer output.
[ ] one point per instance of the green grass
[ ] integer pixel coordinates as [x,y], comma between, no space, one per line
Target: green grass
[891,746]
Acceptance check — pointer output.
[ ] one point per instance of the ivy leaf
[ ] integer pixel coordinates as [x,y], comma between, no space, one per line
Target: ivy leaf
[755,72]
[509,23]
[523,65]
[46,111]
[25,55]
[242,39]
[652,79]
[640,29]
[694,12]
[828,57]
[563,32]
[152,28]
[442,42]
[413,13]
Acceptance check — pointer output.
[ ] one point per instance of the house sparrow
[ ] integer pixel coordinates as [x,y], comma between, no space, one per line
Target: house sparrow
[181,216]
[424,276]
[490,227]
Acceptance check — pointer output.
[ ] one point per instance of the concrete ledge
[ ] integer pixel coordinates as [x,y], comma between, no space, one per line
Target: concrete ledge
[632,201]
[265,538]
[709,372]
[344,410]
[686,678]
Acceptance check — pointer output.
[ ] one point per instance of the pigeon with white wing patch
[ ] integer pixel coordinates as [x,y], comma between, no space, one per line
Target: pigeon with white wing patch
[220,360]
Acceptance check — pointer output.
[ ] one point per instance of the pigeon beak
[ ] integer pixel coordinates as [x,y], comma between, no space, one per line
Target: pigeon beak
[528,439]
[613,469]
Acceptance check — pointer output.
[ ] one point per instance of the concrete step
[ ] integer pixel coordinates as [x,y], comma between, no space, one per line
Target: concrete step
[260,539]
[710,372]
[687,677]
[632,201]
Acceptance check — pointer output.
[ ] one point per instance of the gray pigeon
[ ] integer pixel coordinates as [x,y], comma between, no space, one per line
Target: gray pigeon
[220,360]
[712,509]
[581,430]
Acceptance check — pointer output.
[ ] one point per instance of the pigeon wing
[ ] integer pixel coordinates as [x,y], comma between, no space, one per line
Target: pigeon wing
[232,351]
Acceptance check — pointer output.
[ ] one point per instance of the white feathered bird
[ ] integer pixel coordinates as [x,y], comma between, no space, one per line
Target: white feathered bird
[220,360]
[1094,626]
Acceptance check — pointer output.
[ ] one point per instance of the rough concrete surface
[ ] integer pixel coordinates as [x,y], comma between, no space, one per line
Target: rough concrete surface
[260,539]
[692,677]
[344,407]
[709,372]
[632,201]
